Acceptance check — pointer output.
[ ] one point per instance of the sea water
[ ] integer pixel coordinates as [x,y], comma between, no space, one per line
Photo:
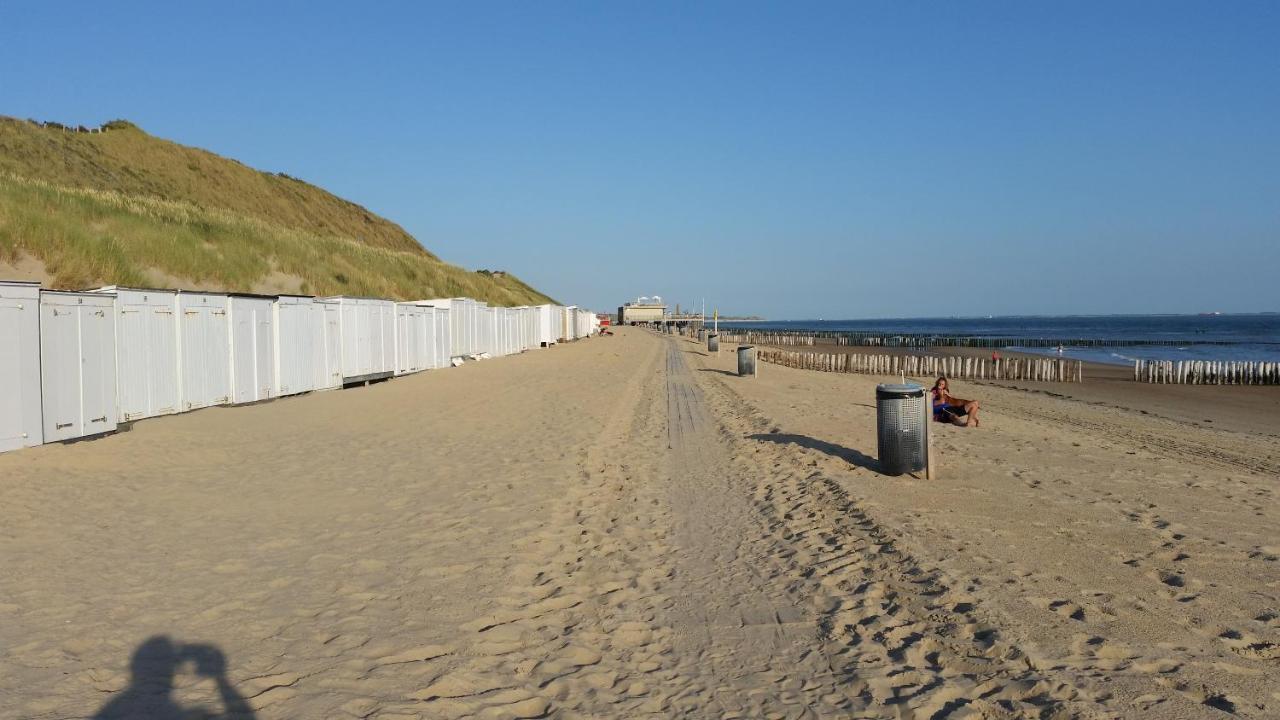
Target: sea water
[1251,337]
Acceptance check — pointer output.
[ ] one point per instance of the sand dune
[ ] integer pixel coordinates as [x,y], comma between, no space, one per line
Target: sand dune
[617,528]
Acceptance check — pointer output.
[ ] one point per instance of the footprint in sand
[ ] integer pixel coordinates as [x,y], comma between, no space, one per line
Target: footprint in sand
[1097,652]
[1065,608]
[1250,646]
[1215,699]
[1177,585]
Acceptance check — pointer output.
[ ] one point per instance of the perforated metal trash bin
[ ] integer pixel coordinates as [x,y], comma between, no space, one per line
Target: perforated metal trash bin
[713,343]
[746,360]
[902,443]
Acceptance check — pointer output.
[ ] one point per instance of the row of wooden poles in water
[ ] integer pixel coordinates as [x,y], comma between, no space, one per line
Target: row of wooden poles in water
[961,368]
[850,338]
[1206,372]
[1162,372]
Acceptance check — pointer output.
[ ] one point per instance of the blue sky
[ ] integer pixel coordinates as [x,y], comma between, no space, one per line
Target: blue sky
[794,160]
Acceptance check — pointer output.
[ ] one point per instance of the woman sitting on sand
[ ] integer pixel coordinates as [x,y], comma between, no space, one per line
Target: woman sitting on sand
[947,408]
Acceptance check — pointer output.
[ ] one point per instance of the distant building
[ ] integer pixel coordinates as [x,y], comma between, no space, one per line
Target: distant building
[642,310]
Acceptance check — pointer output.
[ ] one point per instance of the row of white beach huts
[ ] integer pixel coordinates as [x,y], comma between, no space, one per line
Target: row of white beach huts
[74,364]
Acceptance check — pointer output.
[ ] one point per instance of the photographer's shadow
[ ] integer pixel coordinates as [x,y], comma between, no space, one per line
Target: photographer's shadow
[150,692]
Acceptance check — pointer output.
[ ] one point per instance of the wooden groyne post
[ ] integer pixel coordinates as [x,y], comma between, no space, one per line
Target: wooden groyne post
[1038,369]
[1206,372]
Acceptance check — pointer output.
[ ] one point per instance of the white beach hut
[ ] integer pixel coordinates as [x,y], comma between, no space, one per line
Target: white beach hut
[460,325]
[252,348]
[425,339]
[148,367]
[511,342]
[299,345]
[406,339]
[568,325]
[21,423]
[467,325]
[486,330]
[204,349]
[414,330]
[529,316]
[499,347]
[77,363]
[495,337]
[449,312]
[368,331]
[547,324]
[443,336]
[327,316]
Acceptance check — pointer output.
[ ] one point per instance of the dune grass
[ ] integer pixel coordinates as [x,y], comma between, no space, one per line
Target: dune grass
[88,237]
[128,160]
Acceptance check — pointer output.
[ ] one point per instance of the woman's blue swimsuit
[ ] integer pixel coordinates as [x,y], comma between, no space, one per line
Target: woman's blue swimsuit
[941,410]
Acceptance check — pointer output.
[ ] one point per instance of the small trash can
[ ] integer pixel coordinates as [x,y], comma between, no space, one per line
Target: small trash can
[901,442]
[702,334]
[746,360]
[713,343]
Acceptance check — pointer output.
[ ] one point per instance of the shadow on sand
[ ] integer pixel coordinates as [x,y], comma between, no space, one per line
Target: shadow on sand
[849,455]
[730,373]
[150,692]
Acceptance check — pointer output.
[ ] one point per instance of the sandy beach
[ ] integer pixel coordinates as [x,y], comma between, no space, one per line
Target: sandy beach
[622,527]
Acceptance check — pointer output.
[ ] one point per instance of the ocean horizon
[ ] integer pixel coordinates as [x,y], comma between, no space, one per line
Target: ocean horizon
[1224,336]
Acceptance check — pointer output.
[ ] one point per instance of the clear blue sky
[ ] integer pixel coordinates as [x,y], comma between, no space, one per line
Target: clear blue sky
[795,160]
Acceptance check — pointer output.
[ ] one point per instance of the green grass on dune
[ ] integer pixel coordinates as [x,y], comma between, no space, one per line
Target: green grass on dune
[88,236]
[126,159]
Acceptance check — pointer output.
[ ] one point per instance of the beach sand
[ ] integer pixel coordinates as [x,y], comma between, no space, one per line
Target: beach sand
[621,527]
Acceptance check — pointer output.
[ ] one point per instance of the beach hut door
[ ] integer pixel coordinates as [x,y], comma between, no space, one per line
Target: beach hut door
[262,352]
[20,421]
[98,368]
[244,361]
[60,371]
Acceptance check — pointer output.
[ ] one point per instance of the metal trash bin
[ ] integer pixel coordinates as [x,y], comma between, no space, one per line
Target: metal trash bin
[746,360]
[901,439]
[713,343]
[702,334]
